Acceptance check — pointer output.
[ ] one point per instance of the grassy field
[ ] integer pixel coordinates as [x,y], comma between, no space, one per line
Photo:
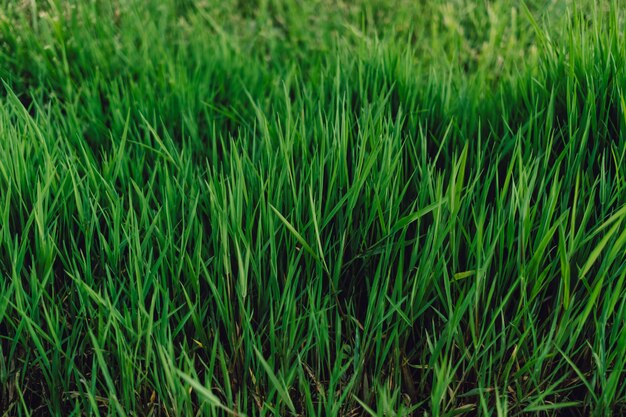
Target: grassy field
[314,208]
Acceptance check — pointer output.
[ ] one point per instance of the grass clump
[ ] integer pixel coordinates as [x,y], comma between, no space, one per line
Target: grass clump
[312,208]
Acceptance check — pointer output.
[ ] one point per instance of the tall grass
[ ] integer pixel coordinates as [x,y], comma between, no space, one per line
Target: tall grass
[312,208]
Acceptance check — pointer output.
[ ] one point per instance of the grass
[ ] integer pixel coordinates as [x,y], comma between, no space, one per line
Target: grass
[312,208]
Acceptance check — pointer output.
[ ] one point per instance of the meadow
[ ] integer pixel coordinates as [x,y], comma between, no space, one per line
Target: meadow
[312,208]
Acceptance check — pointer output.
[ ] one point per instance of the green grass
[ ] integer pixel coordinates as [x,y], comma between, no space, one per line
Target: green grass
[276,207]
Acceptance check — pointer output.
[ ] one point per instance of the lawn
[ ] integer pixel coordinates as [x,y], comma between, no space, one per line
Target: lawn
[312,208]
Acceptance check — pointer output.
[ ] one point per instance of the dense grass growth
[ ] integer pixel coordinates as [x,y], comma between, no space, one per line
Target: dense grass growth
[275,207]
